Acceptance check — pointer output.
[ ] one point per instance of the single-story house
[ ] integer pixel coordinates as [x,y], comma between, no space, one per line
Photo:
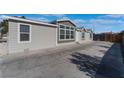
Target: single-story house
[24,34]
[83,34]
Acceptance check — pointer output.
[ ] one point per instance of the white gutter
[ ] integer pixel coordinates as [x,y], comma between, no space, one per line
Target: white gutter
[27,20]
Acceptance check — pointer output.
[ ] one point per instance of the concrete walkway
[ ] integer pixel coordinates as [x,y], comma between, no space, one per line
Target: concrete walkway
[92,59]
[112,65]
[3,48]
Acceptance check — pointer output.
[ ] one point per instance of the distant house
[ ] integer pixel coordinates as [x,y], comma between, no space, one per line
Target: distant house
[83,34]
[24,34]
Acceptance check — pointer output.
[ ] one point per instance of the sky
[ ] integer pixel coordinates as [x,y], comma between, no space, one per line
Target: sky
[98,22]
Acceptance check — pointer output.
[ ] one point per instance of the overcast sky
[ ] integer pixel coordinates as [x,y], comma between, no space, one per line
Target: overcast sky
[98,22]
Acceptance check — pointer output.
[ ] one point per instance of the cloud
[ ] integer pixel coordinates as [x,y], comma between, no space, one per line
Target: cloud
[98,24]
[106,21]
[2,17]
[56,15]
[90,22]
[39,19]
[80,22]
[43,19]
[113,16]
[107,24]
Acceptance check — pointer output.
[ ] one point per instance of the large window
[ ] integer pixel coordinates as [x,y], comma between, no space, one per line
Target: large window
[24,33]
[66,32]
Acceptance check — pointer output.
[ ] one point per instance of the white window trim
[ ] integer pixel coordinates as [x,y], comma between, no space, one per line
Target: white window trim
[30,33]
[65,33]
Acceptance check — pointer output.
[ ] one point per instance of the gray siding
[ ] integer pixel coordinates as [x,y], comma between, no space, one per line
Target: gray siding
[79,36]
[41,37]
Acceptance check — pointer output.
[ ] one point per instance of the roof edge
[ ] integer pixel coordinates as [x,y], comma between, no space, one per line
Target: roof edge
[28,20]
[59,20]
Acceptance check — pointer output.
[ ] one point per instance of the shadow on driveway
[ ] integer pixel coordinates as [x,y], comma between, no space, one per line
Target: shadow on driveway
[111,65]
[86,63]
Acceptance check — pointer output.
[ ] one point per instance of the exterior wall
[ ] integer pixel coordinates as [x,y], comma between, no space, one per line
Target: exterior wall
[87,36]
[41,37]
[78,36]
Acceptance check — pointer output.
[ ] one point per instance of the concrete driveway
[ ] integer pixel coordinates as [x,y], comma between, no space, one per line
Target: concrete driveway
[3,48]
[69,61]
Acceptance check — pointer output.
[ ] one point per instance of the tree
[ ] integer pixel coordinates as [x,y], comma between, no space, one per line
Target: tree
[23,17]
[122,33]
[4,24]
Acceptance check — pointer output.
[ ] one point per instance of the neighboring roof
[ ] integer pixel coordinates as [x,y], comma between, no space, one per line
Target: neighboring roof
[81,29]
[28,20]
[84,29]
[88,30]
[63,20]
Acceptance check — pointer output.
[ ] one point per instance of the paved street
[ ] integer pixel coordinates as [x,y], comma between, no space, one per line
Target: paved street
[69,61]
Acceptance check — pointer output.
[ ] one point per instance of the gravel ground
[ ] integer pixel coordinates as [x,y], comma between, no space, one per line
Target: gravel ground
[70,61]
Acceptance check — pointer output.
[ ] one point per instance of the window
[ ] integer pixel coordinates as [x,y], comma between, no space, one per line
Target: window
[71,32]
[67,27]
[72,36]
[66,32]
[83,35]
[72,28]
[62,26]
[67,36]
[62,36]
[24,31]
[62,32]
